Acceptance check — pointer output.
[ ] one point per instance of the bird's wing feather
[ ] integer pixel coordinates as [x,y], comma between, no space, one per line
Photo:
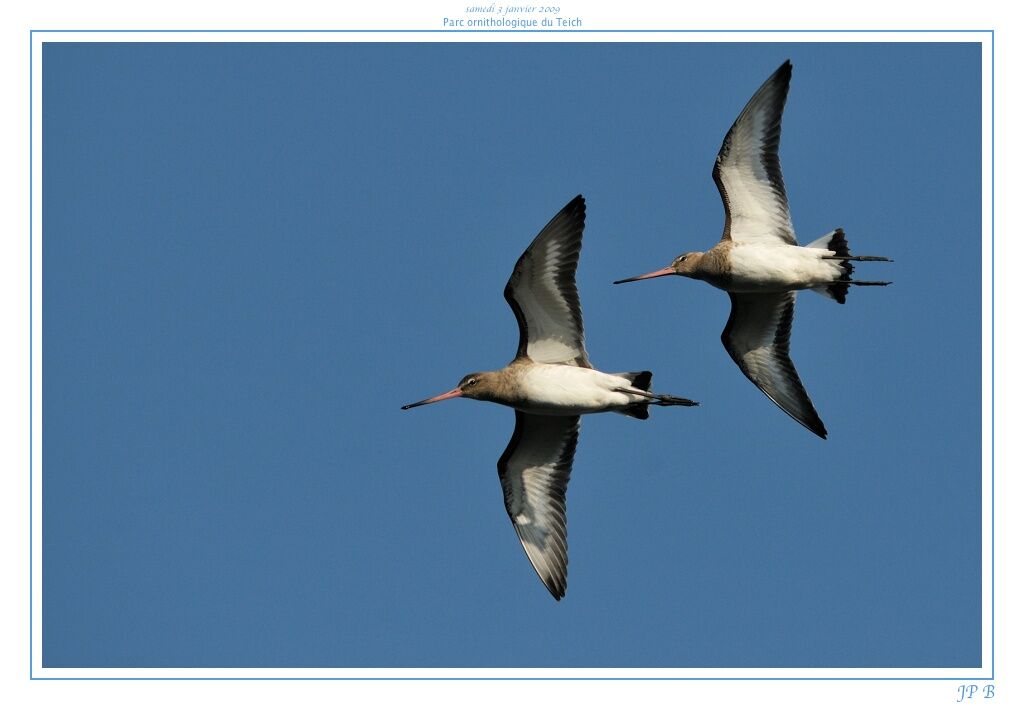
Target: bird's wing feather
[757,338]
[534,473]
[542,291]
[748,172]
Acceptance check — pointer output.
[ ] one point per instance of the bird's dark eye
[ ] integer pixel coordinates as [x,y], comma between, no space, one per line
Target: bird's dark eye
[472,381]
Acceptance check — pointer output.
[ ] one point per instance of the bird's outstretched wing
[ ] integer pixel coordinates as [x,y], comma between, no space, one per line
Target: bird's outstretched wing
[534,473]
[542,291]
[747,169]
[757,338]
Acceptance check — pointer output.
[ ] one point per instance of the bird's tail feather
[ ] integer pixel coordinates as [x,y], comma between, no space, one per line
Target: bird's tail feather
[640,385]
[835,241]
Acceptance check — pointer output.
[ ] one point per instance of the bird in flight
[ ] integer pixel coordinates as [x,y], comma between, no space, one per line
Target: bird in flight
[550,383]
[758,261]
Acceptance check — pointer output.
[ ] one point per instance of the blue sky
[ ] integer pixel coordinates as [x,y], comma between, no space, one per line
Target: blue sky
[254,254]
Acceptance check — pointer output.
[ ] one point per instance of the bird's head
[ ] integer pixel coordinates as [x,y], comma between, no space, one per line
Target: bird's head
[475,385]
[682,265]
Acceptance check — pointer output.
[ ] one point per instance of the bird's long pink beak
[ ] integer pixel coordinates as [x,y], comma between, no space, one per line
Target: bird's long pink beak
[667,271]
[447,395]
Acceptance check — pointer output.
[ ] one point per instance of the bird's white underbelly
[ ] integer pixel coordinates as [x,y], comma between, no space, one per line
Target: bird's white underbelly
[566,389]
[773,268]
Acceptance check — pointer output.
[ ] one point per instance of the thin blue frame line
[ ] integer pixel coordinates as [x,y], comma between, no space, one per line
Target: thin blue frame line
[992,344]
[991,34]
[416,678]
[31,503]
[565,31]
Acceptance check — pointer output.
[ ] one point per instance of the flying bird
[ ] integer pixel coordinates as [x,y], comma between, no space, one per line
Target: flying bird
[758,261]
[550,383]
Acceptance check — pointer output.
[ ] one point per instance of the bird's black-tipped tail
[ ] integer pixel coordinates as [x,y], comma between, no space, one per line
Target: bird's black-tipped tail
[641,384]
[640,381]
[637,411]
[835,241]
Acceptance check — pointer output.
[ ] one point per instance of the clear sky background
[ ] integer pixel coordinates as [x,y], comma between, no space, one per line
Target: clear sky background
[253,254]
